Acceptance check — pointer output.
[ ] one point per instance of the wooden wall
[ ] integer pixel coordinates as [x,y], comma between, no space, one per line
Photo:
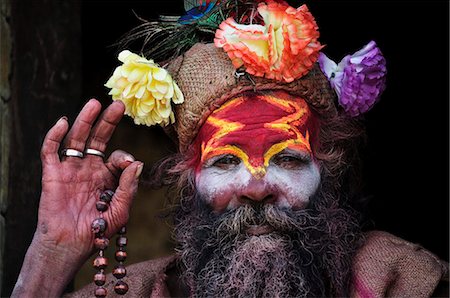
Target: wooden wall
[45,79]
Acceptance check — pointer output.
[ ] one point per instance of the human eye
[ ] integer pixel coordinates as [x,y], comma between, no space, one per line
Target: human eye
[290,160]
[226,162]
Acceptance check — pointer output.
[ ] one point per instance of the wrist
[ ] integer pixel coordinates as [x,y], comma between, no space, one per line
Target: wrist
[47,269]
[63,241]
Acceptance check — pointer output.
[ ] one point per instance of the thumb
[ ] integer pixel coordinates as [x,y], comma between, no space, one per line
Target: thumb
[125,192]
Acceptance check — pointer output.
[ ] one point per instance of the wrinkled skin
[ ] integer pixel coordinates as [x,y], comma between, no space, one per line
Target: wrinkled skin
[292,178]
[70,188]
[262,249]
[259,255]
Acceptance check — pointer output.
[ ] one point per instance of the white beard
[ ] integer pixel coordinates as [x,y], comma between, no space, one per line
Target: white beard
[257,266]
[307,253]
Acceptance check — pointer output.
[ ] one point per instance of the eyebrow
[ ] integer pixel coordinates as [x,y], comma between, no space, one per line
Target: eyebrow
[304,155]
[210,161]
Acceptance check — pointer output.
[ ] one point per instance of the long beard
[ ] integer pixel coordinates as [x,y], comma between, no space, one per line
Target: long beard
[305,253]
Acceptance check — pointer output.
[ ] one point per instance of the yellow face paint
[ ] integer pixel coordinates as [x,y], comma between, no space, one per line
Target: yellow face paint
[255,127]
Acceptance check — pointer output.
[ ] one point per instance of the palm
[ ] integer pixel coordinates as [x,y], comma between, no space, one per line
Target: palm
[73,190]
[72,186]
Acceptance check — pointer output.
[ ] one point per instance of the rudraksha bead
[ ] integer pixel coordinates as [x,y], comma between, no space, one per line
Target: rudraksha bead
[121,241]
[119,271]
[100,278]
[106,196]
[99,225]
[101,243]
[101,206]
[100,292]
[121,255]
[121,287]
[122,230]
[100,262]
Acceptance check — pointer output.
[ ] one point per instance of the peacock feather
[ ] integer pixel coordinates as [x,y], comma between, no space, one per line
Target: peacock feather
[170,37]
[194,13]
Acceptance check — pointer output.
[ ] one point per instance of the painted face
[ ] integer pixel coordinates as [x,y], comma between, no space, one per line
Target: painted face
[257,148]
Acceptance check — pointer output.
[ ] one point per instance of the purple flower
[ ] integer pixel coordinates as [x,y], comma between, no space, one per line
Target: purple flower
[358,80]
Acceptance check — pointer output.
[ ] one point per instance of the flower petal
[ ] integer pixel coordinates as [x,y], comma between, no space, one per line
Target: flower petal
[358,80]
[327,65]
[178,95]
[159,74]
[284,48]
[146,90]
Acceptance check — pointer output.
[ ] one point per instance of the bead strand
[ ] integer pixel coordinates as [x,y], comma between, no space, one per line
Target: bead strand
[119,271]
[101,243]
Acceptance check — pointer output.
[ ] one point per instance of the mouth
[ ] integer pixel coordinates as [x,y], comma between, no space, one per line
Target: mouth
[257,230]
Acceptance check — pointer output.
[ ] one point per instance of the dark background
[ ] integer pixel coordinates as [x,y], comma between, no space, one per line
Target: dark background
[405,160]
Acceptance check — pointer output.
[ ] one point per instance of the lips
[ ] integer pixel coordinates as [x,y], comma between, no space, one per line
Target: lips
[257,230]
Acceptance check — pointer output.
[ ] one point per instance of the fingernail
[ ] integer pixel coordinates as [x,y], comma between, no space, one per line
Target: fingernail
[62,118]
[129,158]
[139,170]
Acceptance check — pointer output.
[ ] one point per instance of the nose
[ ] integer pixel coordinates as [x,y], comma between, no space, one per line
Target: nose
[257,192]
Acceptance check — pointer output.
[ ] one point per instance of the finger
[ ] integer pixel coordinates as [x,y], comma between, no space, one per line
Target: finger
[125,192]
[118,161]
[105,126]
[52,141]
[81,128]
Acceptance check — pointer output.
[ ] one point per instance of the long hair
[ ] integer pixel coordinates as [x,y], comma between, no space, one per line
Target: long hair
[339,139]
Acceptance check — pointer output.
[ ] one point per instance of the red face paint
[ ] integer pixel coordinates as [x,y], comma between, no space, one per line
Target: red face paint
[255,127]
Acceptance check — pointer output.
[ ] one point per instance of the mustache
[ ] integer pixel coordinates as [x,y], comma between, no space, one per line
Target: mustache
[319,242]
[281,220]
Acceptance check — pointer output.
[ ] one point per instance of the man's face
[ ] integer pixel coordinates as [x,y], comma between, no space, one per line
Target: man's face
[257,150]
[260,221]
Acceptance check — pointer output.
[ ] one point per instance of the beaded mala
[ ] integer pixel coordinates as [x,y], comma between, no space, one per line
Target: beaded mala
[100,263]
[119,271]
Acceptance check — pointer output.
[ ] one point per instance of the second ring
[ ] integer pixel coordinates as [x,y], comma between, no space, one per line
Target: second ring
[94,152]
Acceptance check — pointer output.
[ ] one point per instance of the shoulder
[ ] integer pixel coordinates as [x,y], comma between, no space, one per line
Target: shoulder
[140,279]
[386,265]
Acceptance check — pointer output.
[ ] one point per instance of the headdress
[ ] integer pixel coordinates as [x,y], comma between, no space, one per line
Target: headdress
[258,46]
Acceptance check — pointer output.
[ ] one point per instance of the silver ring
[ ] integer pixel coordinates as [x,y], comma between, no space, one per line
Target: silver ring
[94,152]
[72,152]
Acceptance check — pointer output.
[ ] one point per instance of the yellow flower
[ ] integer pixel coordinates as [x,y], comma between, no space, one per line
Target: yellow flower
[146,89]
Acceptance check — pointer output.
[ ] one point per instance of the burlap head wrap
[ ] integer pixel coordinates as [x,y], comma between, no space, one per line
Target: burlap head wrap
[207,79]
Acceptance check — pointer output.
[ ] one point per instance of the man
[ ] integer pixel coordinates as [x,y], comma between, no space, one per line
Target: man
[264,180]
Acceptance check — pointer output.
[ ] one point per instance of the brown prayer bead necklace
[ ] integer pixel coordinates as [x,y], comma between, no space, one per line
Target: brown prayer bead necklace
[99,226]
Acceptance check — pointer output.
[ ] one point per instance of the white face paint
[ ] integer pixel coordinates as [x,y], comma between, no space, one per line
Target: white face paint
[291,179]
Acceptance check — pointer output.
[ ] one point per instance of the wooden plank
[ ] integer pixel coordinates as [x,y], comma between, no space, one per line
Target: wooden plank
[5,120]
[45,84]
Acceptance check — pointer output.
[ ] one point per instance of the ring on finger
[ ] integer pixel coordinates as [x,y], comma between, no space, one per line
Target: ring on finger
[72,152]
[94,152]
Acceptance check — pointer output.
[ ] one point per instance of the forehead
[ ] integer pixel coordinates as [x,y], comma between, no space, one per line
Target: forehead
[267,117]
[253,111]
[254,126]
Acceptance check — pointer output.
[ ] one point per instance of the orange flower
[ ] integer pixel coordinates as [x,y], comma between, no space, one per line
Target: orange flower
[285,48]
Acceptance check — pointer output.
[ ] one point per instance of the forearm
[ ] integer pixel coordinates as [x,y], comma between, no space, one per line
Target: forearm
[46,270]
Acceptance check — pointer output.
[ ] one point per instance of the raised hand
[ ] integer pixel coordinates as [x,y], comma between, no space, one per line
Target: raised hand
[72,185]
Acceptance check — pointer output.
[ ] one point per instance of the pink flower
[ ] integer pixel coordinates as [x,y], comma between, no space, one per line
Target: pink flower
[285,48]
